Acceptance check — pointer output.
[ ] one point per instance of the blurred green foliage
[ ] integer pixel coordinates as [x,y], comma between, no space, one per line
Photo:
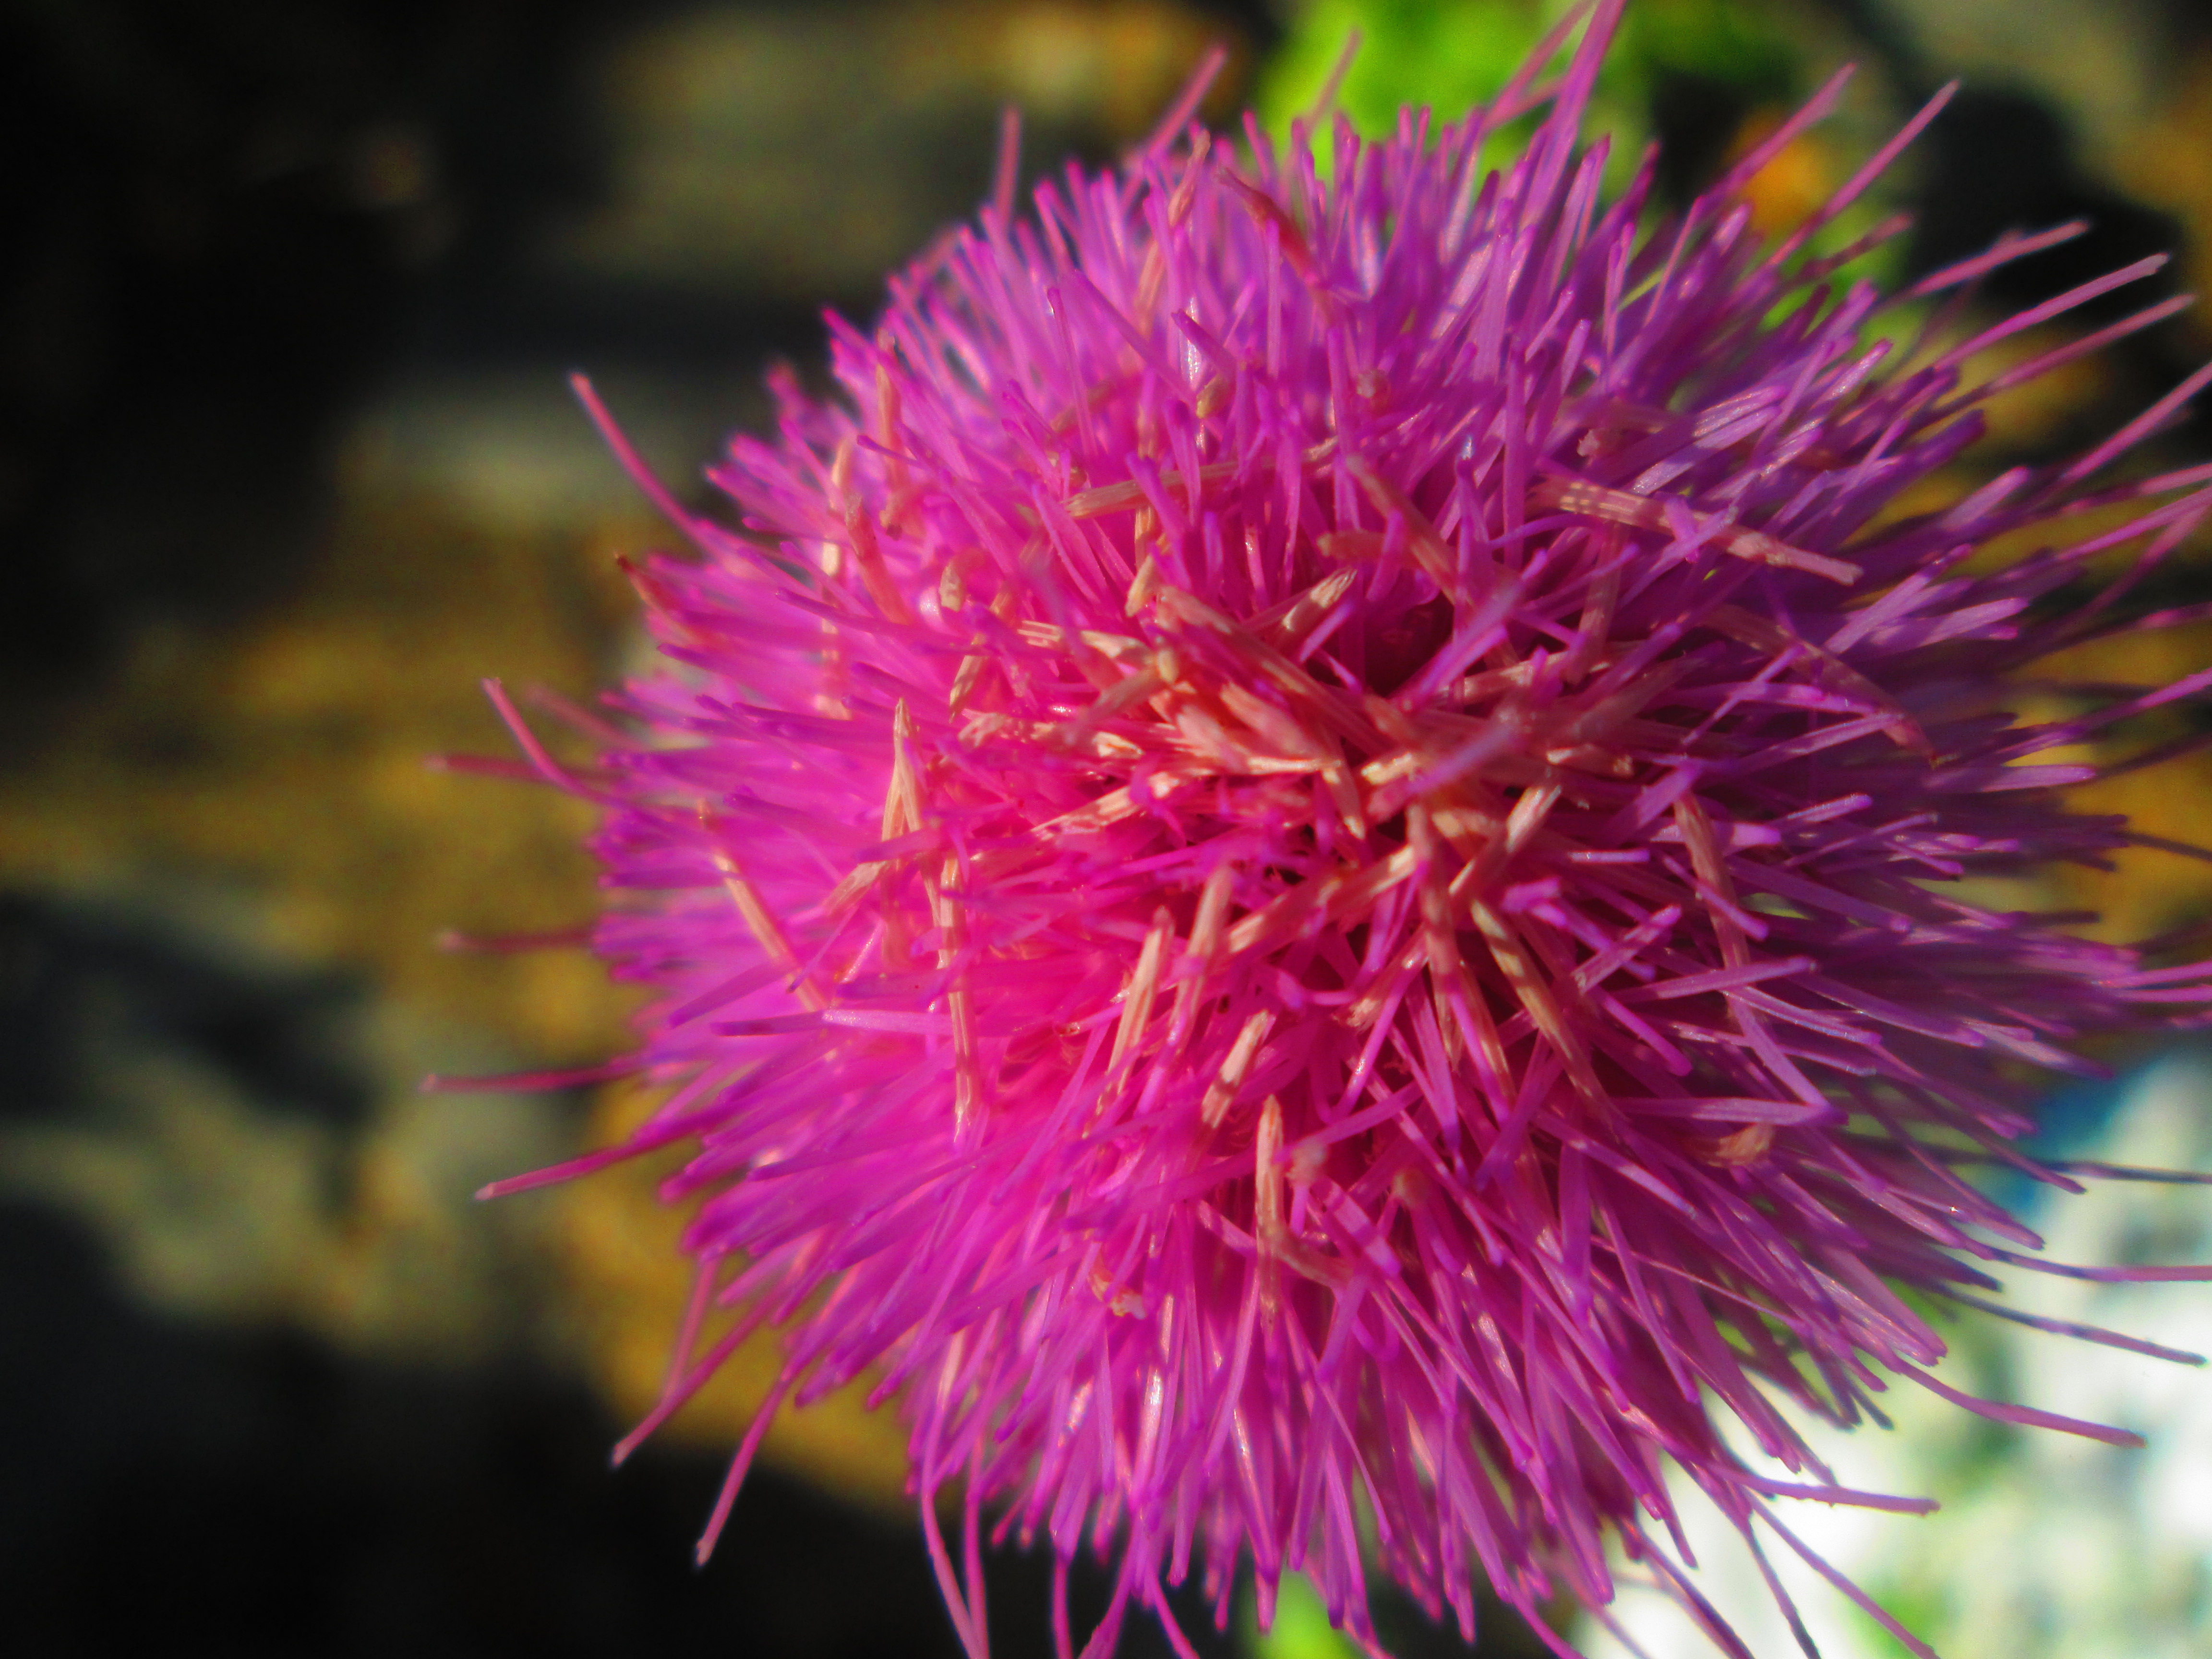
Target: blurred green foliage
[1703,76]
[1450,54]
[1300,1629]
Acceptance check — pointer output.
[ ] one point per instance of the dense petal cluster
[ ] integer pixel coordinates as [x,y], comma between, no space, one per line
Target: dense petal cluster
[1306,868]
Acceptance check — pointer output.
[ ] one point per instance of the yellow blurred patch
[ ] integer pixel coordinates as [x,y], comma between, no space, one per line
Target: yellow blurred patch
[2149,890]
[1794,185]
[629,1282]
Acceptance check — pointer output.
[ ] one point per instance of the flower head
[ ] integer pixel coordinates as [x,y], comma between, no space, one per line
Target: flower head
[1306,870]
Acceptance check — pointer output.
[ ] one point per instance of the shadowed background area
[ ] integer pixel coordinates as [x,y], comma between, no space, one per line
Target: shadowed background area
[287,466]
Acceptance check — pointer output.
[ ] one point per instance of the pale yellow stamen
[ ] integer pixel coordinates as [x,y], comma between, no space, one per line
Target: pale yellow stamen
[1221,1093]
[1144,984]
[767,931]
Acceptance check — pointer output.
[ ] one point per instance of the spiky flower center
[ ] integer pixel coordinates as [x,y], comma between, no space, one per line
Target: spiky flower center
[1306,869]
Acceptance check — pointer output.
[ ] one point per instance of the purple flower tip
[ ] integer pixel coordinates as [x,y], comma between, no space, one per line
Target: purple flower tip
[1305,874]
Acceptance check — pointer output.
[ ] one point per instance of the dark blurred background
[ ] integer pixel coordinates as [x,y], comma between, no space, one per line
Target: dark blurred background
[287,289]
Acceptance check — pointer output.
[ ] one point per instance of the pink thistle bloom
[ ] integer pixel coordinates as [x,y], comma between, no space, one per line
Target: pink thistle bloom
[1303,874]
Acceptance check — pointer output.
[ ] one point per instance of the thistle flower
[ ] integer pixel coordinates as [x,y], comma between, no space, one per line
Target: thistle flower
[1304,873]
